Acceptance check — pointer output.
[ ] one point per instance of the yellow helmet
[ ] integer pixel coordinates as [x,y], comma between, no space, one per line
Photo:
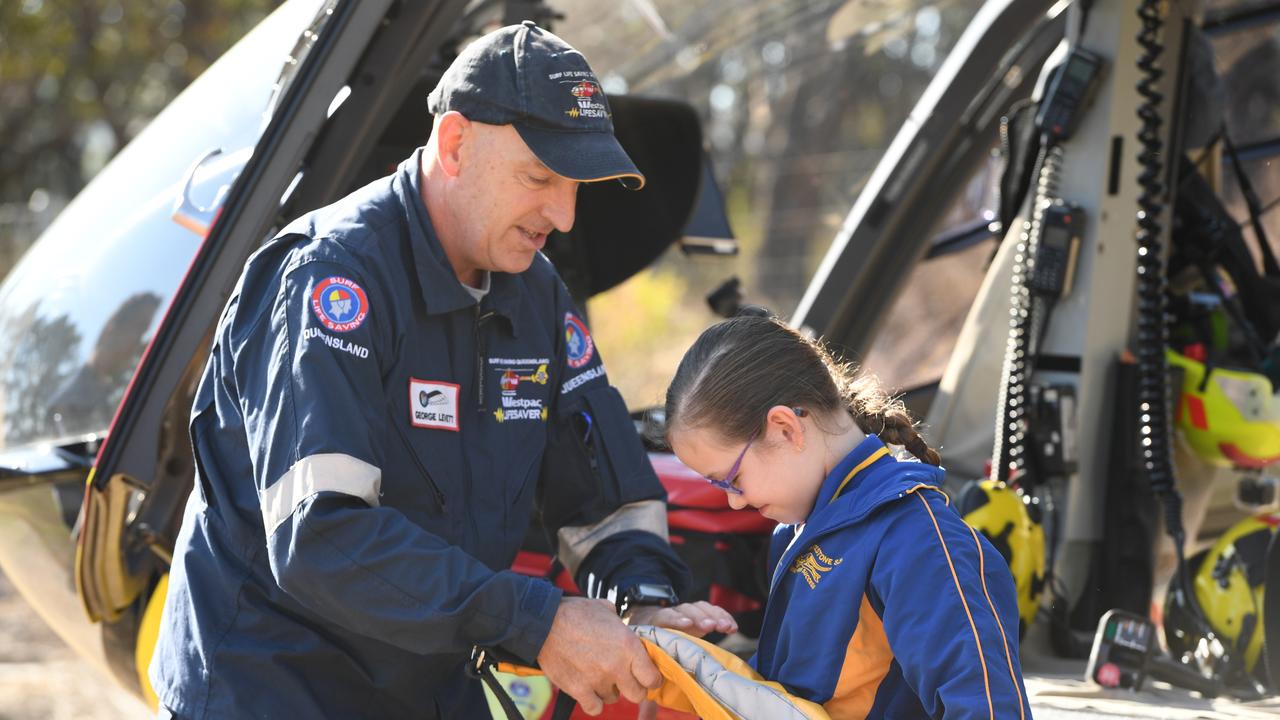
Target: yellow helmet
[1228,583]
[1003,516]
[1232,419]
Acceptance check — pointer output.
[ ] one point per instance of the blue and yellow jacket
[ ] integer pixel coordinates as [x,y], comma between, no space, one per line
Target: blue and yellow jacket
[885,604]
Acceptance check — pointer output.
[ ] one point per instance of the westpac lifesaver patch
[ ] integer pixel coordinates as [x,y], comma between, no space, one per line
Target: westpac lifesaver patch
[433,404]
[577,340]
[339,304]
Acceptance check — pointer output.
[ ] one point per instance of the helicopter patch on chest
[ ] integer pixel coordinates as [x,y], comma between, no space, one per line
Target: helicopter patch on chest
[522,388]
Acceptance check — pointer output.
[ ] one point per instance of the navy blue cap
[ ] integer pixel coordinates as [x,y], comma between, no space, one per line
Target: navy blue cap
[524,76]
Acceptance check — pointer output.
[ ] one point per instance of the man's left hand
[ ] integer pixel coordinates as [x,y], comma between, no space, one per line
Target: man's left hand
[695,618]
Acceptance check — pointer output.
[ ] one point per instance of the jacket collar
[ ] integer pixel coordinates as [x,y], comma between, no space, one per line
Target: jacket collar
[441,290]
[848,476]
[864,481]
[861,482]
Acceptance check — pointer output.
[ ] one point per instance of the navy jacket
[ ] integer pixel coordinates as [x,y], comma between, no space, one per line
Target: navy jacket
[370,443]
[885,604]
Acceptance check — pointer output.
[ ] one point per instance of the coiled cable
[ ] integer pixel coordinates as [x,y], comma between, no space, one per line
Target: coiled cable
[1154,433]
[1153,389]
[1027,318]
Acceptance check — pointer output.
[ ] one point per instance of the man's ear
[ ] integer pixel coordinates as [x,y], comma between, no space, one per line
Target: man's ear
[452,130]
[784,421]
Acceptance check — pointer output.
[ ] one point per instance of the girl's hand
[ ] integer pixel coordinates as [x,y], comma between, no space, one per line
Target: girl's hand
[696,618]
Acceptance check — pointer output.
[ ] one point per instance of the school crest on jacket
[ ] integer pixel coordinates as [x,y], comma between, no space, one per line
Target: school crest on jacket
[813,564]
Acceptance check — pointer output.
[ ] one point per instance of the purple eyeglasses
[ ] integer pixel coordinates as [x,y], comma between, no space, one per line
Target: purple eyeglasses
[727,483]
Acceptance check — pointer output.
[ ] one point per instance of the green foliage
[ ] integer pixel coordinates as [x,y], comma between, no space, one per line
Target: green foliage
[79,79]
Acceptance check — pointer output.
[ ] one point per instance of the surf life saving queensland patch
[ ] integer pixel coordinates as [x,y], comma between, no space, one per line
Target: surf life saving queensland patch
[433,405]
[339,304]
[577,340]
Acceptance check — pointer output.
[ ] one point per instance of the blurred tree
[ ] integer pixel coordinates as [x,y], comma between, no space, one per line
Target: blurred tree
[80,78]
[40,357]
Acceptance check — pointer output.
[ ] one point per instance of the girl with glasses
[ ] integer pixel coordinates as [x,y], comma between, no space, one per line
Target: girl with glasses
[883,602]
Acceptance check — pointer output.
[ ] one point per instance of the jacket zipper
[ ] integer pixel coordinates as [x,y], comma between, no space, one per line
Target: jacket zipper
[773,581]
[480,406]
[421,468]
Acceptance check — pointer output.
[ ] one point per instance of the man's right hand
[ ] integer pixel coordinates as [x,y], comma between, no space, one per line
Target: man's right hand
[593,656]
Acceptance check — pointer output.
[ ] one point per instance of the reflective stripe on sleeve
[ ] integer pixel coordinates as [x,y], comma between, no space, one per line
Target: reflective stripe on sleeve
[577,542]
[330,472]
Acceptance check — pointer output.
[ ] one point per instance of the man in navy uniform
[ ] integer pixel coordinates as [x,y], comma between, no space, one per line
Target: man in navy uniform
[396,381]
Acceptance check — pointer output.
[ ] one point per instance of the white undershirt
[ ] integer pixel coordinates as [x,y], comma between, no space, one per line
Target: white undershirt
[480,292]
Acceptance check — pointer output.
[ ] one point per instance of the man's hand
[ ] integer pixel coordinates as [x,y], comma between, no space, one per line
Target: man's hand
[697,618]
[592,656]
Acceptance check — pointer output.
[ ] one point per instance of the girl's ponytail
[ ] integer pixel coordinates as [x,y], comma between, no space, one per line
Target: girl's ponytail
[899,430]
[878,414]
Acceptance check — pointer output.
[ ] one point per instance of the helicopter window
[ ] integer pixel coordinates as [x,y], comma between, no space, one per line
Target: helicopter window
[1246,60]
[924,322]
[1227,14]
[1246,55]
[1264,175]
[84,301]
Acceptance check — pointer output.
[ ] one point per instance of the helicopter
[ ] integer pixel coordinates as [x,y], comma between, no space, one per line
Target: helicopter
[1034,169]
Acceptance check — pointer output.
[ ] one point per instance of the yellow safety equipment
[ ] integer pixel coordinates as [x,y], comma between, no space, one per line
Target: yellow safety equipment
[1001,514]
[1231,418]
[1228,585]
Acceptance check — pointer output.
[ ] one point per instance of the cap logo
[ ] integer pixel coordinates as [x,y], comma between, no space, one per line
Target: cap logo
[587,94]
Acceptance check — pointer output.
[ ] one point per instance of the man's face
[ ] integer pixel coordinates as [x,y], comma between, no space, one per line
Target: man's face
[506,201]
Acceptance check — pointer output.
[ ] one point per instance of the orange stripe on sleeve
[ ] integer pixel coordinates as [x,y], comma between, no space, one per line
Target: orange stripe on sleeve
[982,573]
[986,681]
[866,662]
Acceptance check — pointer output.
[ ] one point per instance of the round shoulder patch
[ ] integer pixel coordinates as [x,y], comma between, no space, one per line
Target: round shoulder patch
[577,340]
[339,304]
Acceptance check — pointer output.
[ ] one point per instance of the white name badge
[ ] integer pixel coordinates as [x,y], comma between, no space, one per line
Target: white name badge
[433,405]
